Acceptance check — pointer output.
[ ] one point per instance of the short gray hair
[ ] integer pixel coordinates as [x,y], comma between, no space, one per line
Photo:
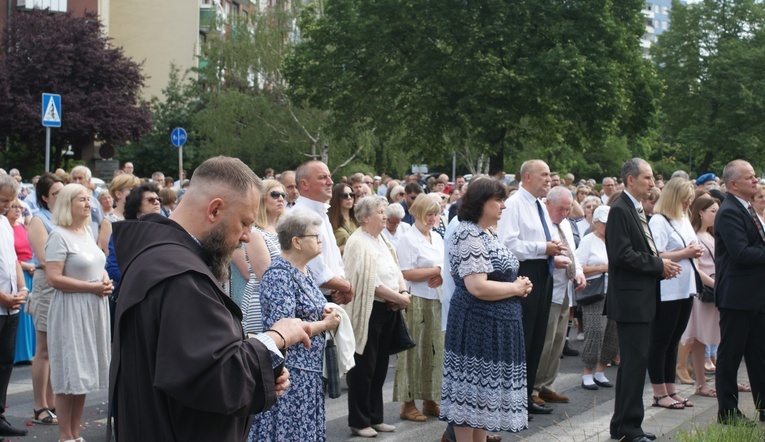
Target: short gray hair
[732,171]
[8,181]
[395,211]
[680,173]
[293,224]
[631,168]
[367,206]
[86,169]
[557,193]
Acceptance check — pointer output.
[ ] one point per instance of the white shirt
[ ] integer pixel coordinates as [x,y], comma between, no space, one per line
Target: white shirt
[520,228]
[388,273]
[592,252]
[8,259]
[330,262]
[605,198]
[414,251]
[667,240]
[395,238]
[447,289]
[562,286]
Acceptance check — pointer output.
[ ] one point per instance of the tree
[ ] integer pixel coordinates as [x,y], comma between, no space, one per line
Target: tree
[98,85]
[711,62]
[495,73]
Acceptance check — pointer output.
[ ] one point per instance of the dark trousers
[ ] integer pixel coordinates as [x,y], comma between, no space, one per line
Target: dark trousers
[536,309]
[8,326]
[741,335]
[668,328]
[634,343]
[366,379]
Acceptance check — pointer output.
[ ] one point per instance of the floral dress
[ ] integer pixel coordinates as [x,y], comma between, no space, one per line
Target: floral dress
[484,378]
[298,415]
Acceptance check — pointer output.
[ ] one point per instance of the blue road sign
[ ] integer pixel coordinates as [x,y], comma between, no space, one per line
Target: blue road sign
[178,136]
[51,110]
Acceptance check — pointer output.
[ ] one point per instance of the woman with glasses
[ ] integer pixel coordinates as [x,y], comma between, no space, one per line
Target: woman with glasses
[341,214]
[290,291]
[262,248]
[396,194]
[25,334]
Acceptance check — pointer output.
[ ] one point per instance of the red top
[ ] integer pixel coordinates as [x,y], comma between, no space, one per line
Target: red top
[21,243]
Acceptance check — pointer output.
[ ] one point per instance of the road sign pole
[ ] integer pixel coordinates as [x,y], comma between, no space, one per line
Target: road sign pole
[47,149]
[180,168]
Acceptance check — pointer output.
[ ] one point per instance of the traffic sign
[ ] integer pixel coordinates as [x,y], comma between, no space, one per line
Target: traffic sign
[51,110]
[178,136]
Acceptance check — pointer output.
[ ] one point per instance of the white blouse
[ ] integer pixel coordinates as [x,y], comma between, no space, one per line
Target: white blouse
[415,252]
[592,252]
[667,240]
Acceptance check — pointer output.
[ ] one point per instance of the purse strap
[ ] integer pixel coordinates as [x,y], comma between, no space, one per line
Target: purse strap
[693,264]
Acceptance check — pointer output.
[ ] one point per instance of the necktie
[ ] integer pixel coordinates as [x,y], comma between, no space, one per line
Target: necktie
[548,238]
[757,221]
[646,230]
[571,268]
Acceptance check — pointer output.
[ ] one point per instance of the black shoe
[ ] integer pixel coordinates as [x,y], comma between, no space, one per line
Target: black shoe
[640,438]
[568,351]
[589,387]
[605,384]
[734,418]
[539,409]
[531,418]
[762,416]
[7,430]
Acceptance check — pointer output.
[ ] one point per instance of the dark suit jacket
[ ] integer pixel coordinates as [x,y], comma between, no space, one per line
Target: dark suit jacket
[739,258]
[633,271]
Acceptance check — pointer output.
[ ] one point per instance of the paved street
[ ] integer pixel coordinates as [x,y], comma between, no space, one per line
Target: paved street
[584,419]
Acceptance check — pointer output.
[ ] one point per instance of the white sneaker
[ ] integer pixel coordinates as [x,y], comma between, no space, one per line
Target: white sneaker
[384,428]
[580,337]
[364,432]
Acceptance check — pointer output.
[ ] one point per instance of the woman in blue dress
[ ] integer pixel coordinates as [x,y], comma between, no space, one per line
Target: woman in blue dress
[288,290]
[484,377]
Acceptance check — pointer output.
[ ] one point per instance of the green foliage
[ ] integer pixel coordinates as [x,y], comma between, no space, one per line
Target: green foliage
[711,61]
[722,433]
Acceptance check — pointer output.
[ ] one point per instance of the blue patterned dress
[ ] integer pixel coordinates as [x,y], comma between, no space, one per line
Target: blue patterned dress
[298,415]
[484,380]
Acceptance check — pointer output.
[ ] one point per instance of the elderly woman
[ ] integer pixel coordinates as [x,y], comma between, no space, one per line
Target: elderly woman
[675,239]
[341,214]
[759,200]
[421,257]
[484,332]
[79,338]
[371,267]
[107,203]
[394,229]
[261,250]
[589,205]
[290,291]
[600,339]
[396,193]
[25,333]
[47,189]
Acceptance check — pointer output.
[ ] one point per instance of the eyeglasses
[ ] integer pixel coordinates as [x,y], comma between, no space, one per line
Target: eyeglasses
[154,199]
[346,196]
[275,195]
[400,194]
[315,235]
[368,183]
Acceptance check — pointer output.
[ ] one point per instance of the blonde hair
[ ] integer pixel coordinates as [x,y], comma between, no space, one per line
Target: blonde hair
[122,182]
[675,193]
[62,211]
[262,219]
[425,204]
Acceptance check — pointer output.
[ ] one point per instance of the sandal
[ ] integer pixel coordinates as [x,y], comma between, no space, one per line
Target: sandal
[677,405]
[686,402]
[50,419]
[493,438]
[706,390]
[744,387]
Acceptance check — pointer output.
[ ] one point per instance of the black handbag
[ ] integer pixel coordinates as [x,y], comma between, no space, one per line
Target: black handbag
[332,381]
[594,291]
[400,339]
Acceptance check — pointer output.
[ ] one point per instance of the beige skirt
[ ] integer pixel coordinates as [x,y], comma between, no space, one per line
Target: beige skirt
[38,301]
[419,370]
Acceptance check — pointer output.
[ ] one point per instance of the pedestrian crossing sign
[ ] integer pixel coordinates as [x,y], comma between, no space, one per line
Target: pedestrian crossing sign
[51,110]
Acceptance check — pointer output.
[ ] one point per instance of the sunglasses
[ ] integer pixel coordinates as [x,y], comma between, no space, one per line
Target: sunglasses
[400,194]
[346,196]
[275,195]
[154,199]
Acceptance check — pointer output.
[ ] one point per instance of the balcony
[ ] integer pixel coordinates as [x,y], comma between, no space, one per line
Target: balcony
[206,18]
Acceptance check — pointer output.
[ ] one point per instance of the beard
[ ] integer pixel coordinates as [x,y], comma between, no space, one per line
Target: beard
[216,253]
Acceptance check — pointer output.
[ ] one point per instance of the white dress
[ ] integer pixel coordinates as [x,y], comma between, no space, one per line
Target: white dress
[79,342]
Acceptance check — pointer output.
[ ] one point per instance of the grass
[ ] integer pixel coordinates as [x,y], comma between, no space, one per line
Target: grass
[722,433]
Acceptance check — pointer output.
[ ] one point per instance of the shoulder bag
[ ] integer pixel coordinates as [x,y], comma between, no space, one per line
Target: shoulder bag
[704,293]
[594,291]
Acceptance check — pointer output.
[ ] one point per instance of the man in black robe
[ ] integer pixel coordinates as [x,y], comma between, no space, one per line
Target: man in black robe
[181,368]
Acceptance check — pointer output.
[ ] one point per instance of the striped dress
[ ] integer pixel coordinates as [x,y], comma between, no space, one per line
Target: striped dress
[252,320]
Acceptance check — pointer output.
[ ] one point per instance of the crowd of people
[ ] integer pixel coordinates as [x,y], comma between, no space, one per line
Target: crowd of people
[133,286]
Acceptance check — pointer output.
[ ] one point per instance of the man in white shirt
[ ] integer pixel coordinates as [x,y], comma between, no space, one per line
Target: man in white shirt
[287,179]
[315,184]
[609,185]
[13,293]
[558,204]
[526,230]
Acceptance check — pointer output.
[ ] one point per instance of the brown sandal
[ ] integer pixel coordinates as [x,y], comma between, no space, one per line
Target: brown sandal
[705,390]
